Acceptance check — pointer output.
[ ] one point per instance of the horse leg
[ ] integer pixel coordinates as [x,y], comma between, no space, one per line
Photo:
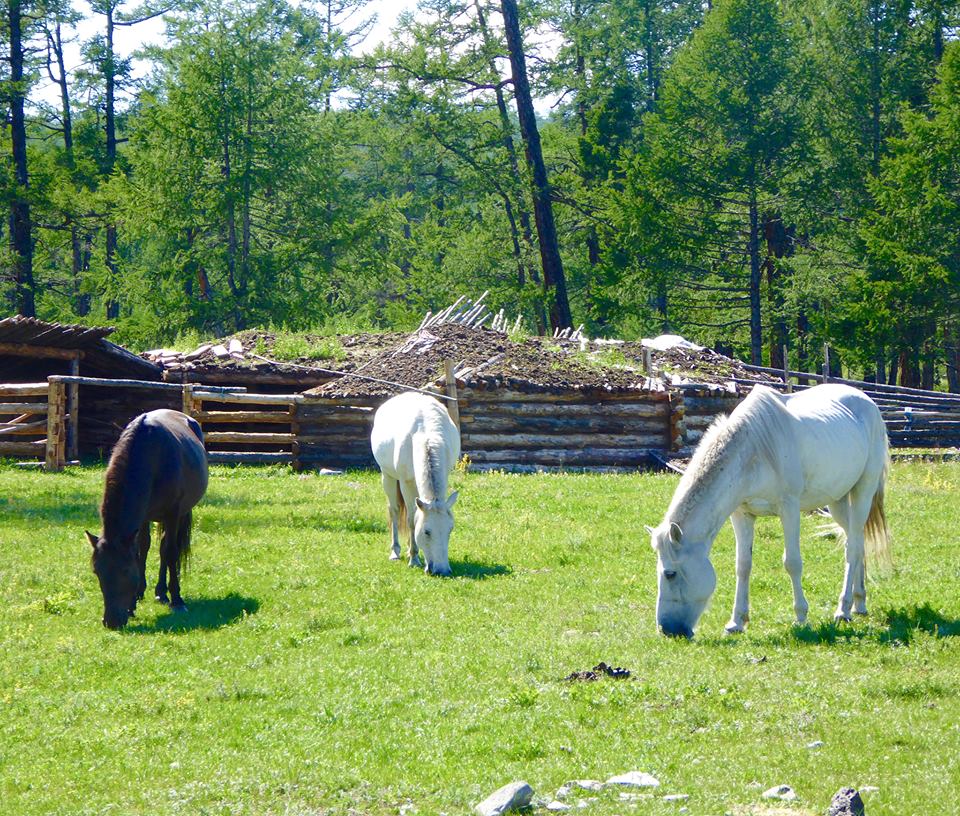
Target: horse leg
[743,524]
[180,540]
[409,492]
[854,593]
[792,562]
[143,541]
[392,488]
[165,563]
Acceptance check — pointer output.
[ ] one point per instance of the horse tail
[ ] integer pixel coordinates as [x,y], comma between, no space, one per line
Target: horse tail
[181,546]
[876,531]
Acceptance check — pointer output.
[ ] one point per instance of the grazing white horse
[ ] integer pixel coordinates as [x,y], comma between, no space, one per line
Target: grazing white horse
[416,446]
[775,455]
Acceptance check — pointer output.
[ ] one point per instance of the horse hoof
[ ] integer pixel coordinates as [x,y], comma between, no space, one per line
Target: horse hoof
[840,617]
[416,562]
[733,628]
[394,556]
[163,599]
[178,607]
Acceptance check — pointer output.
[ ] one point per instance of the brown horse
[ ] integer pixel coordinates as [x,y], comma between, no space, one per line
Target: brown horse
[157,472]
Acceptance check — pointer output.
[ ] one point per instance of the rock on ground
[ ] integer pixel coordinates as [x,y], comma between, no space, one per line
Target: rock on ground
[514,796]
[635,779]
[782,792]
[578,784]
[846,802]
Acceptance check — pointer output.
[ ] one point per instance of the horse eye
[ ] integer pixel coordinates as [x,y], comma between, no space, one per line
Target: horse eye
[427,533]
[669,574]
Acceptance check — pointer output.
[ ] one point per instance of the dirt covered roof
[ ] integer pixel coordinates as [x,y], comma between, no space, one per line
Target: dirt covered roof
[490,360]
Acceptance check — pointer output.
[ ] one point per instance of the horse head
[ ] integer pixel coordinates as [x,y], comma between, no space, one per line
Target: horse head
[116,566]
[433,524]
[685,579]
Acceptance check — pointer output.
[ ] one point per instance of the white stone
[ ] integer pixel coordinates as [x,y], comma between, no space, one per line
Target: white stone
[869,789]
[676,797]
[815,744]
[514,796]
[557,806]
[664,342]
[578,784]
[234,346]
[635,779]
[220,351]
[783,792]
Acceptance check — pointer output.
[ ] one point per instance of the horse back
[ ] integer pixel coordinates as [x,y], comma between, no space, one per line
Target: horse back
[175,452]
[403,420]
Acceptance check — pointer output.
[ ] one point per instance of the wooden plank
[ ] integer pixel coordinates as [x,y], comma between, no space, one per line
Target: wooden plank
[501,395]
[23,428]
[450,382]
[243,398]
[37,448]
[219,437]
[28,350]
[576,424]
[248,457]
[242,416]
[573,443]
[73,413]
[23,390]
[557,409]
[553,456]
[23,408]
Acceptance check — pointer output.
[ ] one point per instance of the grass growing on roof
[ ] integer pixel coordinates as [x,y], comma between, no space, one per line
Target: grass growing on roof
[312,675]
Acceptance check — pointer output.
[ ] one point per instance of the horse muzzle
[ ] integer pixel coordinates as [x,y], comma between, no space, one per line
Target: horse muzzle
[672,628]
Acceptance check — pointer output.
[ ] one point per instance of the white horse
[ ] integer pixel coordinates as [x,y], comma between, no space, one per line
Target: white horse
[775,455]
[416,446]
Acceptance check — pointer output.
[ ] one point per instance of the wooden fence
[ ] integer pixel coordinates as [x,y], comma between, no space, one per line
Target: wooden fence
[914,417]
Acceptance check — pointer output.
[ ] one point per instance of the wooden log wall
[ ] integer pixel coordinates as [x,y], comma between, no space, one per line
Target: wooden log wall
[241,428]
[105,411]
[23,420]
[595,430]
[334,433]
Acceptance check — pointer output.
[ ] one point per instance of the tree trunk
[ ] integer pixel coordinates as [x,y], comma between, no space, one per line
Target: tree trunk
[753,245]
[110,71]
[779,245]
[21,227]
[553,275]
[524,268]
[951,349]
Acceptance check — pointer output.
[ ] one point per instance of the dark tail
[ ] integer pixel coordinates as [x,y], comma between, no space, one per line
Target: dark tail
[181,547]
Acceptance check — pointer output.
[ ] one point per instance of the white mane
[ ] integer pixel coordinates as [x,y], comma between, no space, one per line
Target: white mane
[758,425]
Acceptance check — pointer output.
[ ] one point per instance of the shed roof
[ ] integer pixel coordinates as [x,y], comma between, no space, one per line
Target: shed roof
[100,357]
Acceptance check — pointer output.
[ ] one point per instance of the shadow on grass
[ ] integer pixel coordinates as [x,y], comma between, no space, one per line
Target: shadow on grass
[901,625]
[202,613]
[477,571]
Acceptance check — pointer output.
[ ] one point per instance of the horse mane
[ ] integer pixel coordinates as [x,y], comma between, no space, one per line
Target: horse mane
[433,470]
[116,475]
[760,424]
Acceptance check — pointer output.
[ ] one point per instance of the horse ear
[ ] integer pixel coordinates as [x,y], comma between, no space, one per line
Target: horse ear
[91,538]
[421,504]
[648,528]
[453,499]
[675,532]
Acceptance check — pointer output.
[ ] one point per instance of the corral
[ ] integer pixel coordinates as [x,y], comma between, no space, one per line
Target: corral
[523,403]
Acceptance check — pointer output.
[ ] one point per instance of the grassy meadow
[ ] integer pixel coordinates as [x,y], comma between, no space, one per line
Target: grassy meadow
[312,676]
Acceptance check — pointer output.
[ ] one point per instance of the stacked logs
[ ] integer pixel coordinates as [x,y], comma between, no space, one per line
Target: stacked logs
[23,420]
[334,433]
[520,431]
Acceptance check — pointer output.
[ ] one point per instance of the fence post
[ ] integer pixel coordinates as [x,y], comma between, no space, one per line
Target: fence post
[786,371]
[453,406]
[73,408]
[826,362]
[54,458]
[187,399]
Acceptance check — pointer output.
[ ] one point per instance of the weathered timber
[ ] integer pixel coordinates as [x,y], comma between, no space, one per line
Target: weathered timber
[553,456]
[28,350]
[572,442]
[248,457]
[221,437]
[549,424]
[23,408]
[312,436]
[638,408]
[23,390]
[503,395]
[918,416]
[295,380]
[56,450]
[244,398]
[450,382]
[37,448]
[242,416]
[24,428]
[515,467]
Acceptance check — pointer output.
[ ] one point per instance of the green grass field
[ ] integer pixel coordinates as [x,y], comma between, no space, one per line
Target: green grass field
[311,675]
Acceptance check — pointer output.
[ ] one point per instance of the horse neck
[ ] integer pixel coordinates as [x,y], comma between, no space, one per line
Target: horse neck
[428,469]
[126,495]
[705,500]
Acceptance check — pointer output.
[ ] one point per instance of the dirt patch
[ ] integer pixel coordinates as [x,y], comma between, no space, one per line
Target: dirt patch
[598,671]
